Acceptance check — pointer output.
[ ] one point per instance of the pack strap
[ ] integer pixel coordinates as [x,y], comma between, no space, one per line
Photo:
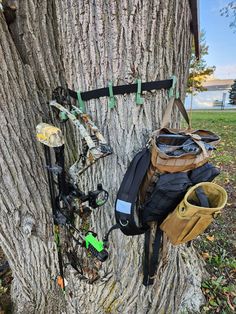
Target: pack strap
[202,146]
[146,258]
[151,255]
[128,194]
[132,179]
[114,227]
[167,116]
[155,255]
[122,89]
[203,199]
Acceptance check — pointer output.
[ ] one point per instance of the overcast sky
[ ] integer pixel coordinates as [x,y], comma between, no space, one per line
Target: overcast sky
[220,38]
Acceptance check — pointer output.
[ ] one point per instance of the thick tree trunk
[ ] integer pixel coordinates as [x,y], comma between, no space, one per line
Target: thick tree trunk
[87,44]
[25,220]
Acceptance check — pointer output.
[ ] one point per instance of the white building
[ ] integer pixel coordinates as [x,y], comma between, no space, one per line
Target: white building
[216,96]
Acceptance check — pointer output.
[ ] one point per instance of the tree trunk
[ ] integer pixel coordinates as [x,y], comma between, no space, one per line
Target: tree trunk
[87,44]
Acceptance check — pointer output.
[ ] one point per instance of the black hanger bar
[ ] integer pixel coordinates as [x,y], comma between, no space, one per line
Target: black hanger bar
[122,89]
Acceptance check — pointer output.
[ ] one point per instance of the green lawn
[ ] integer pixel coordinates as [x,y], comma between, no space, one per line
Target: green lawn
[218,244]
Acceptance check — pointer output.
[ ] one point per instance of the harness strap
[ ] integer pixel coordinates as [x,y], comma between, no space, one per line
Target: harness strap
[133,176]
[128,194]
[151,258]
[146,258]
[155,255]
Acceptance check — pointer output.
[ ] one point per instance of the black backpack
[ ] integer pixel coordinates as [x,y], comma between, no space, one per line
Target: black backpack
[133,218]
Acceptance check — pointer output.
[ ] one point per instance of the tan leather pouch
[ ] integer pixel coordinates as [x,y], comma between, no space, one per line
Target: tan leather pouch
[188,220]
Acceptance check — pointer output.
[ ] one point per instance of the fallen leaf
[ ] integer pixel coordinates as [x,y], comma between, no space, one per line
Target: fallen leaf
[206,308]
[211,238]
[212,302]
[229,303]
[205,255]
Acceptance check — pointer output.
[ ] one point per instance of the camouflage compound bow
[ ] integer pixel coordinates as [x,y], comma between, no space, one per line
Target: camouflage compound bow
[66,198]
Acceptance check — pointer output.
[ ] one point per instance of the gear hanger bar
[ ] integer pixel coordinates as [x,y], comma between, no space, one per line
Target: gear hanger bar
[121,89]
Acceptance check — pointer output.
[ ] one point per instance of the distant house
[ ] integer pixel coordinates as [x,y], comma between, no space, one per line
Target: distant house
[216,84]
[216,95]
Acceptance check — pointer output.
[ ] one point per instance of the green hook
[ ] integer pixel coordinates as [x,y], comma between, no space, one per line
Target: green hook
[81,102]
[63,116]
[111,100]
[139,100]
[172,91]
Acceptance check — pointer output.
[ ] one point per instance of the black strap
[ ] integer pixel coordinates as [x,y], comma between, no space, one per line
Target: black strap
[155,255]
[146,258]
[122,89]
[128,193]
[132,179]
[114,227]
[151,262]
[202,198]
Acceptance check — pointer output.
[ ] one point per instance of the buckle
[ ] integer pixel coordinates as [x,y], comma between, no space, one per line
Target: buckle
[216,214]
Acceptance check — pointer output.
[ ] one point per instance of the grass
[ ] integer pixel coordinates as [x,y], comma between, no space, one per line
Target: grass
[218,244]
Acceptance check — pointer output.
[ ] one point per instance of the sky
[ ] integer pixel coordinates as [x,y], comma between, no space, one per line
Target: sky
[219,37]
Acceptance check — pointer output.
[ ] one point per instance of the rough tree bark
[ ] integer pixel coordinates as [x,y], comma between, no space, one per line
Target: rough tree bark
[87,43]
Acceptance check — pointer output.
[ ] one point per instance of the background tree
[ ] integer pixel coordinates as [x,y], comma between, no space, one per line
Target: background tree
[199,71]
[87,44]
[232,94]
[230,11]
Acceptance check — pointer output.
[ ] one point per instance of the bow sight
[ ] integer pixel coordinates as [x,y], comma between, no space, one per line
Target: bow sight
[94,198]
